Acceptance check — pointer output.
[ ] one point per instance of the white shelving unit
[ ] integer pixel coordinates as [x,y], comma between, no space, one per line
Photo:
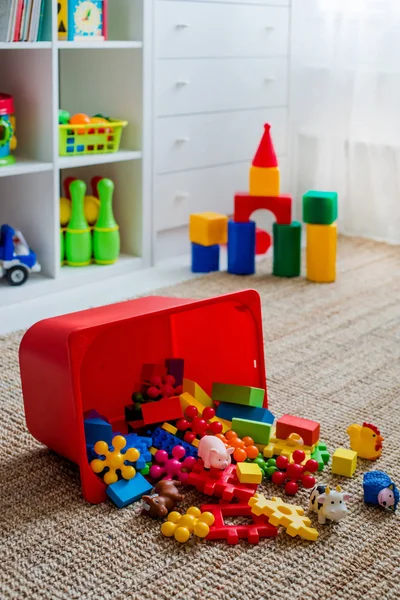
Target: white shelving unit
[100,77]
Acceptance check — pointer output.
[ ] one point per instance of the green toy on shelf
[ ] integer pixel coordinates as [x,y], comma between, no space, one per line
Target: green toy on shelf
[78,237]
[106,238]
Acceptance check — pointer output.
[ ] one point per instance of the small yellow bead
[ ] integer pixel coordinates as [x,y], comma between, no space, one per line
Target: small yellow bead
[201,529]
[188,521]
[194,511]
[182,534]
[168,528]
[174,516]
[207,517]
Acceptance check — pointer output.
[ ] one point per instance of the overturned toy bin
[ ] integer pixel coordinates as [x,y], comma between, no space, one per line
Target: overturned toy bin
[91,360]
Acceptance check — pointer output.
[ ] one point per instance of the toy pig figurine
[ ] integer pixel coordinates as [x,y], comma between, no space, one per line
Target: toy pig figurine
[164,499]
[214,453]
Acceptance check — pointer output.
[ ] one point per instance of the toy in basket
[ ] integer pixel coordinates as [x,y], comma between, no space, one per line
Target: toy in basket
[81,134]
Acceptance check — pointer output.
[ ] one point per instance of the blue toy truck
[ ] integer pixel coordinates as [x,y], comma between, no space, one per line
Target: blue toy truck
[17,259]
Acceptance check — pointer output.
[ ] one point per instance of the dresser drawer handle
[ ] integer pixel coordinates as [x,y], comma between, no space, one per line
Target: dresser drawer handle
[269,79]
[182,25]
[182,140]
[182,82]
[270,28]
[181,196]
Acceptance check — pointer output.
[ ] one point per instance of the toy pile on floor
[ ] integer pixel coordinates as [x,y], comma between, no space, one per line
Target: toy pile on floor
[174,435]
[208,230]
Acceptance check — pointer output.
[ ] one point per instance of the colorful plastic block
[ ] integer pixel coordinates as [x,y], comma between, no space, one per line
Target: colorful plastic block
[321,253]
[260,432]
[176,467]
[308,430]
[259,528]
[208,228]
[114,460]
[205,259]
[241,248]
[263,241]
[321,455]
[197,392]
[175,367]
[97,429]
[344,462]
[379,489]
[320,208]
[166,441]
[287,250]
[170,428]
[229,411]
[238,394]
[125,492]
[287,515]
[248,472]
[280,205]
[143,444]
[182,526]
[168,409]
[264,181]
[277,447]
[223,484]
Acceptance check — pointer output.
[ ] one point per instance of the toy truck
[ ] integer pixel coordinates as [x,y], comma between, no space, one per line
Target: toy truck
[17,259]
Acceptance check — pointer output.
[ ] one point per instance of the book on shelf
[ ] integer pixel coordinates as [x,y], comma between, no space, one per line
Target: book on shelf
[21,20]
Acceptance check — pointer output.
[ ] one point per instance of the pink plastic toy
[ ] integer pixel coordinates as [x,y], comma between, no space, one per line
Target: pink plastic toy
[214,453]
[177,467]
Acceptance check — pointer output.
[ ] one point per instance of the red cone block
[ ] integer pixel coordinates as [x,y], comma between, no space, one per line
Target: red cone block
[265,155]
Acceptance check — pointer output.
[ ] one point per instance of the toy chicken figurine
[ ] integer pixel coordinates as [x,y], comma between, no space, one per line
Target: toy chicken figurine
[366,440]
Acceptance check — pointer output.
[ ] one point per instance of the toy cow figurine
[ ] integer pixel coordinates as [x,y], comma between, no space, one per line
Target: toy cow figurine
[379,489]
[214,453]
[328,504]
[164,498]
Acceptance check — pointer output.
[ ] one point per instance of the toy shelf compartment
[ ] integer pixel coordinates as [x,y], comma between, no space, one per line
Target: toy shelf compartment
[76,140]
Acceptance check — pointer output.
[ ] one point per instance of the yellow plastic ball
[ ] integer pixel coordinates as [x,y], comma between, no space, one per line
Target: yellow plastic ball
[207,517]
[188,521]
[174,516]
[168,528]
[201,529]
[182,534]
[194,511]
[101,447]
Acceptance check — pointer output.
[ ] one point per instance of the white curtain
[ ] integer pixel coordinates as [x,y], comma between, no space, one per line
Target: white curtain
[345,109]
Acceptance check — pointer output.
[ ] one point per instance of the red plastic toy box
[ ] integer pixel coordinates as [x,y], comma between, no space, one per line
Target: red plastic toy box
[92,359]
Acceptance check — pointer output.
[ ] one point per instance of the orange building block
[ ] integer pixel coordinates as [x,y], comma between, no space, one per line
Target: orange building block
[308,430]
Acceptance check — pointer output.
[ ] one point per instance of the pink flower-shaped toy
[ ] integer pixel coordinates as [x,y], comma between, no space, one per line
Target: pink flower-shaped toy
[177,467]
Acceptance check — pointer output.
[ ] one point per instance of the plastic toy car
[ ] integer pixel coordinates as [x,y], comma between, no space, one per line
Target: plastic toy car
[17,259]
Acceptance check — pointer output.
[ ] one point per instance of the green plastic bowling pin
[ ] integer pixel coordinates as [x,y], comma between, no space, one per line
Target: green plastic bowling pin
[78,237]
[106,240]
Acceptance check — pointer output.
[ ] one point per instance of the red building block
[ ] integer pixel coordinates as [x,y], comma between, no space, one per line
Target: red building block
[280,206]
[168,409]
[263,241]
[265,155]
[308,430]
[260,527]
[223,484]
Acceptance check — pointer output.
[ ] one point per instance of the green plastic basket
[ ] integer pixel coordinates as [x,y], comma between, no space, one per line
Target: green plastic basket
[93,138]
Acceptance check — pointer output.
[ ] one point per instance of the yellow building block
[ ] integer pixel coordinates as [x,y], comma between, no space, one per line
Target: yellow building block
[196,443]
[285,515]
[153,450]
[195,390]
[248,472]
[321,252]
[277,447]
[208,228]
[344,462]
[170,428]
[264,181]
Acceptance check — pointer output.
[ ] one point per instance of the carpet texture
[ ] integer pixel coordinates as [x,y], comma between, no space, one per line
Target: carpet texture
[332,354]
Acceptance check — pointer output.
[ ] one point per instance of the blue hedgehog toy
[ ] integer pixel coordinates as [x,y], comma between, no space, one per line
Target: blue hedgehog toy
[380,489]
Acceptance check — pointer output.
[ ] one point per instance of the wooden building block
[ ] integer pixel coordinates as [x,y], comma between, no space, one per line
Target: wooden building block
[260,432]
[208,228]
[344,462]
[308,430]
[238,394]
[321,253]
[248,472]
[264,181]
[195,390]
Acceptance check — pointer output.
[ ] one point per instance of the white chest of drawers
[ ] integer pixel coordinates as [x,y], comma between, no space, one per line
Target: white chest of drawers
[221,72]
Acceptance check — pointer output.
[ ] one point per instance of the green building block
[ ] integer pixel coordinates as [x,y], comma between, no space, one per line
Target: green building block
[260,432]
[320,208]
[321,455]
[287,250]
[238,394]
[146,469]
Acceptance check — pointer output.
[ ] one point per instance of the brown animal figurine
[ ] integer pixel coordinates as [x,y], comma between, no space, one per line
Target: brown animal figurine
[164,498]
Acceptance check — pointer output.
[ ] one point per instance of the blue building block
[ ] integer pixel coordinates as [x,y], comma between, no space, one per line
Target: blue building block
[97,429]
[228,411]
[163,440]
[241,248]
[205,258]
[141,443]
[124,491]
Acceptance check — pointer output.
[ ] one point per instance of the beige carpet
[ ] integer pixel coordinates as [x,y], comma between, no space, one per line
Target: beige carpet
[332,354]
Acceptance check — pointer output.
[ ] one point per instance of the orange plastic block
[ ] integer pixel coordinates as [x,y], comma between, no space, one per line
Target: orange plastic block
[264,181]
[208,229]
[306,429]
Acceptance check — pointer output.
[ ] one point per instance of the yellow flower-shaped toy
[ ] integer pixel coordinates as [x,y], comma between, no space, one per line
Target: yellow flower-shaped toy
[115,460]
